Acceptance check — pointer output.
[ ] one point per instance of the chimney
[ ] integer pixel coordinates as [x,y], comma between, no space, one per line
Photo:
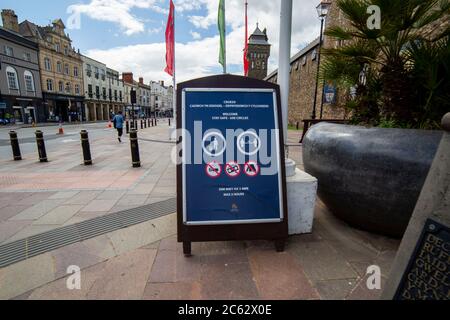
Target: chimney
[161,83]
[141,80]
[10,21]
[127,77]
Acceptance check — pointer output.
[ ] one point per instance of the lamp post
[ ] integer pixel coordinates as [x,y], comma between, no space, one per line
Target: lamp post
[322,11]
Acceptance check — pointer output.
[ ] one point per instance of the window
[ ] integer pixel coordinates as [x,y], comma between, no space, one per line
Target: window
[27,56]
[88,70]
[77,89]
[49,85]
[115,95]
[11,75]
[103,74]
[59,67]
[8,51]
[66,69]
[90,90]
[263,65]
[96,73]
[104,93]
[61,86]
[75,72]
[68,87]
[47,64]
[66,50]
[304,61]
[314,55]
[29,81]
[57,47]
[97,92]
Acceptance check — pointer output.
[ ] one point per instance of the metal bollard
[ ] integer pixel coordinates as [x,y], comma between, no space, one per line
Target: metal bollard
[145,123]
[156,122]
[128,127]
[15,145]
[169,122]
[135,149]
[149,122]
[142,125]
[41,146]
[86,148]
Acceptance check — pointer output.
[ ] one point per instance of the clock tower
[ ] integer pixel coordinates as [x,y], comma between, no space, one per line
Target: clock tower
[258,54]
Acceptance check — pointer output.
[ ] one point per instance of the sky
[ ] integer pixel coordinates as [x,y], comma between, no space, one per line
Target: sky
[129,35]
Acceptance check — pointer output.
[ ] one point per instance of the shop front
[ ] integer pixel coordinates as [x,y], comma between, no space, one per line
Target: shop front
[19,111]
[65,108]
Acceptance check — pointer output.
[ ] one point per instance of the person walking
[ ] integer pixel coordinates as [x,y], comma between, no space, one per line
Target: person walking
[118,124]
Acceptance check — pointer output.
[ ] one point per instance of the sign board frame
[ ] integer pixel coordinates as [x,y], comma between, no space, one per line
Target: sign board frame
[274,230]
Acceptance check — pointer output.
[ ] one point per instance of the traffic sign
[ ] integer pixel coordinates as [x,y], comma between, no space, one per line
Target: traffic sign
[213,170]
[251,169]
[233,169]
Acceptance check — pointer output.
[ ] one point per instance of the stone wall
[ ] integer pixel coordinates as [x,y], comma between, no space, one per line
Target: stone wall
[303,80]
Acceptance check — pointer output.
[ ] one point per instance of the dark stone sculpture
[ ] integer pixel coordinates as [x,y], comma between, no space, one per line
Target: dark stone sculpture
[370,177]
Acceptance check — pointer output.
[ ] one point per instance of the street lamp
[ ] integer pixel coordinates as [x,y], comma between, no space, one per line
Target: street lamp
[322,12]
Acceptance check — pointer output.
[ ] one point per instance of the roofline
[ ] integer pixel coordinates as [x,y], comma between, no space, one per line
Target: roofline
[19,39]
[297,56]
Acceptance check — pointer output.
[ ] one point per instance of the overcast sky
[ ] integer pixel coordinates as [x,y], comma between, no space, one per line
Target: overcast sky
[128,35]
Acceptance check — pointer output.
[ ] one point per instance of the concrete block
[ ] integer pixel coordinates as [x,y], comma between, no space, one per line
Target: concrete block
[301,197]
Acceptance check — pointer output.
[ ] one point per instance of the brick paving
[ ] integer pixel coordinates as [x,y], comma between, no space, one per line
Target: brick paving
[146,262]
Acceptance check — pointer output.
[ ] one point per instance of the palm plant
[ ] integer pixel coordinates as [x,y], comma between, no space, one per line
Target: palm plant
[405,79]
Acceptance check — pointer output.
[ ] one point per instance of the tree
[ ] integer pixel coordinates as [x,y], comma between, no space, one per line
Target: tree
[400,70]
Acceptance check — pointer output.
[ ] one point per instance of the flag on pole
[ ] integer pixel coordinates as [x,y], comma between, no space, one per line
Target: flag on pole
[170,41]
[246,64]
[222,32]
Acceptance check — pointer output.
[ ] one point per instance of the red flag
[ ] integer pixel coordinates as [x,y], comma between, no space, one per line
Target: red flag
[170,41]
[246,63]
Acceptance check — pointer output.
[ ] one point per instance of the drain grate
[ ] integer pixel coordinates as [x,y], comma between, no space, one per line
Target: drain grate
[51,240]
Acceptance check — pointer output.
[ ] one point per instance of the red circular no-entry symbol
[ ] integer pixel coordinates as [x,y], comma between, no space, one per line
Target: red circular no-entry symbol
[233,169]
[251,169]
[213,170]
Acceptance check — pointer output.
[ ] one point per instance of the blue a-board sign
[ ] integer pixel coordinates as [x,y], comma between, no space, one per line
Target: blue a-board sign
[231,159]
[231,177]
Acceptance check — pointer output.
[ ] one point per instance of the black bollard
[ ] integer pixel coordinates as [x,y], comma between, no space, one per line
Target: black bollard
[135,149]
[145,123]
[128,127]
[156,122]
[86,148]
[15,146]
[149,122]
[41,146]
[169,122]
[298,126]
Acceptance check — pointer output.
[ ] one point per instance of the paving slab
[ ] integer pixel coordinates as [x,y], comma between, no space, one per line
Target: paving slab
[59,215]
[26,275]
[38,210]
[280,276]
[99,205]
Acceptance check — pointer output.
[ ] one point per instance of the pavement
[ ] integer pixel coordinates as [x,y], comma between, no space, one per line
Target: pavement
[145,261]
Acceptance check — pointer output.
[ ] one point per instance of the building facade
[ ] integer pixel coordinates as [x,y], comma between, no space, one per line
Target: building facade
[116,91]
[144,98]
[20,86]
[61,70]
[303,78]
[162,99]
[258,54]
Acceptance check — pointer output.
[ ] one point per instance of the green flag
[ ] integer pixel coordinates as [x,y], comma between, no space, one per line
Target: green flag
[222,32]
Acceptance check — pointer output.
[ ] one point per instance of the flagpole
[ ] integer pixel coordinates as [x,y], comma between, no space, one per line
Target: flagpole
[174,103]
[225,37]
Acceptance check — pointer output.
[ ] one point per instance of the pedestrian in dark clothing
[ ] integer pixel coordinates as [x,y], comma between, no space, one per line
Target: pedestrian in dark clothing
[118,124]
